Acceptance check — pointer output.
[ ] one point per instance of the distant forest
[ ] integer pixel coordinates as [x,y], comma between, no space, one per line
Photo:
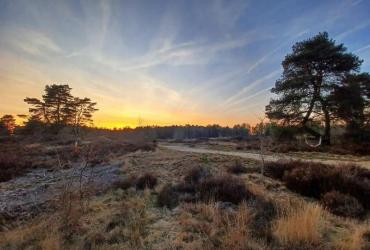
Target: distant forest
[188,131]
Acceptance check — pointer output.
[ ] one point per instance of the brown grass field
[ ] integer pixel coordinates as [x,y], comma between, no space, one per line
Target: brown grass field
[115,195]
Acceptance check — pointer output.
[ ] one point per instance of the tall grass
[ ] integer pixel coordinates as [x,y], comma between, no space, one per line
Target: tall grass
[301,224]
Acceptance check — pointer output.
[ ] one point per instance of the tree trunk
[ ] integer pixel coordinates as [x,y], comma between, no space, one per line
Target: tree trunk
[315,98]
[326,138]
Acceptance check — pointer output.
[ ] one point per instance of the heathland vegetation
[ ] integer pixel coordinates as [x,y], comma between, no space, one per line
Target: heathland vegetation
[65,184]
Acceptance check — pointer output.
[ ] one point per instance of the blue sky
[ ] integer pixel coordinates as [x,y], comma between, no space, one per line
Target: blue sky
[165,62]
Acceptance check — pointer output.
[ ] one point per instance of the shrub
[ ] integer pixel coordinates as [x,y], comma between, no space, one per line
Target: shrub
[277,169]
[223,188]
[316,179]
[12,166]
[196,175]
[342,204]
[306,181]
[237,168]
[147,180]
[168,197]
[125,183]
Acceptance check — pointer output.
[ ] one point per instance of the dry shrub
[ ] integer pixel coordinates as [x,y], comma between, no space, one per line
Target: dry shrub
[237,168]
[223,188]
[277,169]
[167,197]
[12,166]
[199,185]
[196,175]
[300,225]
[342,204]
[316,179]
[125,183]
[171,195]
[14,161]
[148,180]
[219,229]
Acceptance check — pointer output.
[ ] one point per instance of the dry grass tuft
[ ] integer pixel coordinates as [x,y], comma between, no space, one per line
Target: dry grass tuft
[300,225]
[357,238]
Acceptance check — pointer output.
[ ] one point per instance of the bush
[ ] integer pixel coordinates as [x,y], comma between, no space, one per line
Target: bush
[237,168]
[342,204]
[277,169]
[316,179]
[125,183]
[309,181]
[168,197]
[196,175]
[12,166]
[147,180]
[223,188]
[219,188]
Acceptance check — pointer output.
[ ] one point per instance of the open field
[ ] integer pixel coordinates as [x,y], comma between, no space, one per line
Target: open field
[171,199]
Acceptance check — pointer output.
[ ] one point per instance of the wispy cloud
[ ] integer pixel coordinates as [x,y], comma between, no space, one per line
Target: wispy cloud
[30,41]
[366,47]
[239,97]
[352,30]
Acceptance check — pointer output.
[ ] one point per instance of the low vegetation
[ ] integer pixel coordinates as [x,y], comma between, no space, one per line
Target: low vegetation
[237,168]
[342,204]
[300,226]
[327,183]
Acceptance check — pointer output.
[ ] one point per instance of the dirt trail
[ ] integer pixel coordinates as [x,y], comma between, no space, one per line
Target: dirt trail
[254,156]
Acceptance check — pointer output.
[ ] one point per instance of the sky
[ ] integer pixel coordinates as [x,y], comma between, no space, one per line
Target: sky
[153,62]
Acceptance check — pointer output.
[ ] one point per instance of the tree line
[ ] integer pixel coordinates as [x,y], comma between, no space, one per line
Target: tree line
[188,131]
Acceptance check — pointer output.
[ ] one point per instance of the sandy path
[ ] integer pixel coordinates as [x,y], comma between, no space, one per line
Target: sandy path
[254,156]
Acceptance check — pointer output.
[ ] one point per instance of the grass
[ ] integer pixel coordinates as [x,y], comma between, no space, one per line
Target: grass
[357,237]
[214,210]
[300,225]
[218,229]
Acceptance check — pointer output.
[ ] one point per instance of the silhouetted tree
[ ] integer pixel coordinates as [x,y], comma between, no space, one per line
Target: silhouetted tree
[81,111]
[59,108]
[310,74]
[7,124]
[350,103]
